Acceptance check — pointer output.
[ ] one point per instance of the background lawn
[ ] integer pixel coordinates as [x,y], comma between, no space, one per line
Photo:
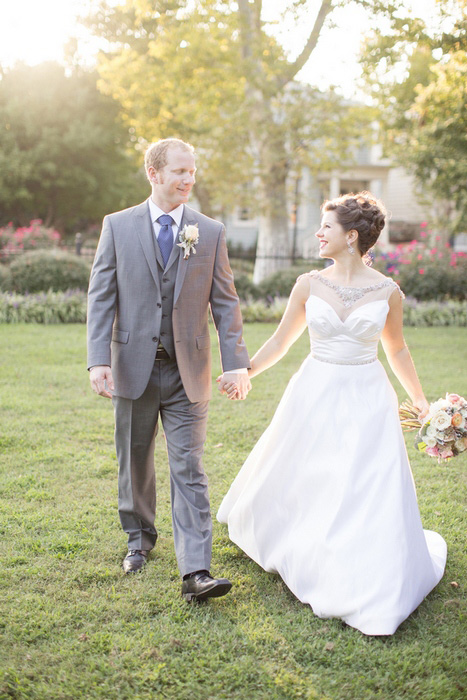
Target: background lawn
[73,626]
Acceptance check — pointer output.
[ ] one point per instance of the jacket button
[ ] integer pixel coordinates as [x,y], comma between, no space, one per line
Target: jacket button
[165,279]
[163,333]
[159,305]
[154,340]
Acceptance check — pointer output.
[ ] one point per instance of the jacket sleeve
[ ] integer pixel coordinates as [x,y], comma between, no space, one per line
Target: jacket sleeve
[225,309]
[102,299]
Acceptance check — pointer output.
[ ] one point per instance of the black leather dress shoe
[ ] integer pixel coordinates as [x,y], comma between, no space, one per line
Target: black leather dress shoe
[201,586]
[135,560]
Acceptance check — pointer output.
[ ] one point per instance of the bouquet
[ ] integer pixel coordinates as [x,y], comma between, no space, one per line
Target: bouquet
[443,431]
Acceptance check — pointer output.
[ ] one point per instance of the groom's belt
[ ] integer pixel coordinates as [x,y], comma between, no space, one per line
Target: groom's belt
[162,354]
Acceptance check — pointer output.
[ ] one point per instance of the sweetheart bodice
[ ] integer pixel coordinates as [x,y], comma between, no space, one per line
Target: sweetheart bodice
[350,341]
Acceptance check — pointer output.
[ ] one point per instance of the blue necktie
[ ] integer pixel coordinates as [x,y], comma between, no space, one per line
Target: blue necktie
[166,237]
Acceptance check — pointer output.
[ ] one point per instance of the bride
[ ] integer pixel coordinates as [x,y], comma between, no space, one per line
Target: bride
[326,498]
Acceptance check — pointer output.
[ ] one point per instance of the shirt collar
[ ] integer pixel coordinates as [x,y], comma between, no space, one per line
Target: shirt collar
[156,212]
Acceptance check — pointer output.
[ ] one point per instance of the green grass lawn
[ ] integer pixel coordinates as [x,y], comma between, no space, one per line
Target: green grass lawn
[73,626]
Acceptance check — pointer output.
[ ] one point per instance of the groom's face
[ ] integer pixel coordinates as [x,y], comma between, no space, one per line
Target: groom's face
[175,181]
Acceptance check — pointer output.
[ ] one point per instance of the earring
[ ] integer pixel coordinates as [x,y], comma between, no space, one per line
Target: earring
[350,249]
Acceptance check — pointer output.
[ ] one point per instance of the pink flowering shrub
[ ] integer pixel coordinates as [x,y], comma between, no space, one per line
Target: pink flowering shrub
[33,237]
[425,271]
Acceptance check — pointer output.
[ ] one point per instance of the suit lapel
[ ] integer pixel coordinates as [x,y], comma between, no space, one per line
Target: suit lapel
[187,219]
[143,226]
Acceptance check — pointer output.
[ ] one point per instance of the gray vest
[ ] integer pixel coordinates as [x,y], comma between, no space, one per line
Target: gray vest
[167,285]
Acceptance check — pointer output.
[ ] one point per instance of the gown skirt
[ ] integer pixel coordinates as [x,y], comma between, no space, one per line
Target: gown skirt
[326,499]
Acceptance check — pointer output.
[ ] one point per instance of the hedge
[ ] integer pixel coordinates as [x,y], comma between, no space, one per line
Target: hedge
[70,307]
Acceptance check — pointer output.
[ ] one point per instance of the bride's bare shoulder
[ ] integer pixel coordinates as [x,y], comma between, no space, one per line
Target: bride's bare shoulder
[302,286]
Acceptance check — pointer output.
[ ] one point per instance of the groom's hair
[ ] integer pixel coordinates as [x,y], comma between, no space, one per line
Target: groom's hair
[156,153]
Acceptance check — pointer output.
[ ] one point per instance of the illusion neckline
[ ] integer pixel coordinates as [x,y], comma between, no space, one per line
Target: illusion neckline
[369,287]
[350,295]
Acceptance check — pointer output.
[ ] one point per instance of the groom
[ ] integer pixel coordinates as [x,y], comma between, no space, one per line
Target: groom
[149,350]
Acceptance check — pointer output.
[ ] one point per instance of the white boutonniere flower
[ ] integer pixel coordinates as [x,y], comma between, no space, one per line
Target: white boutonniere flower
[188,237]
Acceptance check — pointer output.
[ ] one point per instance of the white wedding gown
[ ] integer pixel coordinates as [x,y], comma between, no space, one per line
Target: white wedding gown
[326,498]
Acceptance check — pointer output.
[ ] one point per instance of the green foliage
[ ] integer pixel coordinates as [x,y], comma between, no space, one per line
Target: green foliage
[5,277]
[426,272]
[423,117]
[416,313]
[281,282]
[74,627]
[435,313]
[33,237]
[439,154]
[62,149]
[434,281]
[246,289]
[44,307]
[213,74]
[70,307]
[40,271]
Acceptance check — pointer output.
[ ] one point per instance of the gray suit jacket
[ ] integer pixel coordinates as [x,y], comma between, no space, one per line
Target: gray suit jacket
[124,304]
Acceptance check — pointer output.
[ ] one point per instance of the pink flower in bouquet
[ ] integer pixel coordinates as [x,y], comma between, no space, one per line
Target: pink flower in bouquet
[433,451]
[454,398]
[445,453]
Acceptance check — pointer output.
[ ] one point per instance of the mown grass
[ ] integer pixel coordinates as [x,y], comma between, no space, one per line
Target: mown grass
[73,626]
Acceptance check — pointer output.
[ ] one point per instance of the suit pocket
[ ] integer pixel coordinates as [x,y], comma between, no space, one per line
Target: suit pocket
[203,342]
[120,336]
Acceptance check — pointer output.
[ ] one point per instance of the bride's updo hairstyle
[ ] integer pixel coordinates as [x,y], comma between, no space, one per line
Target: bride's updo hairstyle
[361,212]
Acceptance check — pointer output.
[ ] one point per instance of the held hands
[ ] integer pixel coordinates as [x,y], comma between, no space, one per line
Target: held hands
[101,380]
[236,386]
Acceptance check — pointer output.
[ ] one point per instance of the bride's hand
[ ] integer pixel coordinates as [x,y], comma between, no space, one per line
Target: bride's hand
[422,406]
[229,388]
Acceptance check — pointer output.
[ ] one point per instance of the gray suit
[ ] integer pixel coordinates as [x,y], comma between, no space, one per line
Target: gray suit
[133,305]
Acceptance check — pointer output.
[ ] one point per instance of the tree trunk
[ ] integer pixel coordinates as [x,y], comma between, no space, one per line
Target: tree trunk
[273,247]
[202,195]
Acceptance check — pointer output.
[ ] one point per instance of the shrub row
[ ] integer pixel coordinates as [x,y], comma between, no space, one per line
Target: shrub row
[43,270]
[70,307]
[45,307]
[423,274]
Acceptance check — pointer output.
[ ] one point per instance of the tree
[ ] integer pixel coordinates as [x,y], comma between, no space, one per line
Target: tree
[62,149]
[211,72]
[423,114]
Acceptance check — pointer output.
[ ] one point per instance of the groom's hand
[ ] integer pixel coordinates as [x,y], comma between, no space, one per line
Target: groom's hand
[235,385]
[101,380]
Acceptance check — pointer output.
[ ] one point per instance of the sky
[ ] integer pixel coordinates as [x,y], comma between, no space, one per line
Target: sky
[33,31]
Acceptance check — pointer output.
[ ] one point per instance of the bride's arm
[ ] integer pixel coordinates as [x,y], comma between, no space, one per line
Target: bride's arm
[289,330]
[398,354]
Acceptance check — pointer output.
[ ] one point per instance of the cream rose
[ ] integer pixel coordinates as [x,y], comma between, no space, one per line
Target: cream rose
[460,444]
[430,441]
[438,406]
[191,233]
[441,420]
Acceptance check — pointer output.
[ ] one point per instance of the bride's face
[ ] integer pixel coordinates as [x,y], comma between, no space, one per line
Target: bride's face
[331,236]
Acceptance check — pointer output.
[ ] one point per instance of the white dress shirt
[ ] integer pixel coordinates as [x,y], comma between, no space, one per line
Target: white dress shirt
[155,212]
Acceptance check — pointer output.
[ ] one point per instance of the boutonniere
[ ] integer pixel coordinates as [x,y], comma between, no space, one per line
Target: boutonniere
[188,237]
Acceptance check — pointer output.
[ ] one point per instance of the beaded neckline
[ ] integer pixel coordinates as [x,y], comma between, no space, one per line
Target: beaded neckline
[350,295]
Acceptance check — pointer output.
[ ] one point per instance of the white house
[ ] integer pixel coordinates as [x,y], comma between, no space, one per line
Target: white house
[393,185]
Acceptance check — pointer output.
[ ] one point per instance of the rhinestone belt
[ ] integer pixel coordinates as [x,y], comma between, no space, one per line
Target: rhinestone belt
[336,362]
